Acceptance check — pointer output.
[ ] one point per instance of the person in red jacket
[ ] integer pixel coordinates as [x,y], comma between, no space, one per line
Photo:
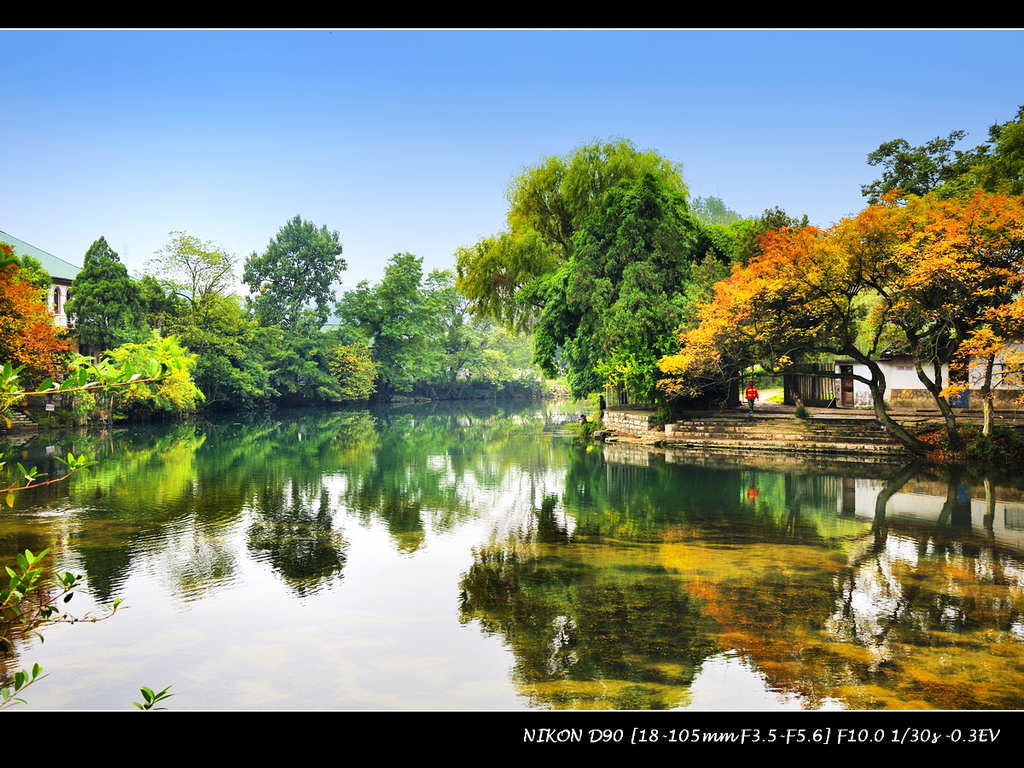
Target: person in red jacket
[751,394]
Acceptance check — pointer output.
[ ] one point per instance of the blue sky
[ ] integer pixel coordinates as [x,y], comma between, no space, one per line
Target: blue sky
[405,141]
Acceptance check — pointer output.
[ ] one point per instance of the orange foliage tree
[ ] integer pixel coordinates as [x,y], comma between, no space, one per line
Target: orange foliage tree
[940,279]
[950,273]
[801,298]
[28,336]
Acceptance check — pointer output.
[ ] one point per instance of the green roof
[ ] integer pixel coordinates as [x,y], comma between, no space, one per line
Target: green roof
[55,265]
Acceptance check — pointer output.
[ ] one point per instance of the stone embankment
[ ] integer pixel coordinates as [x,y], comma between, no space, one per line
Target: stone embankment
[856,438]
[628,422]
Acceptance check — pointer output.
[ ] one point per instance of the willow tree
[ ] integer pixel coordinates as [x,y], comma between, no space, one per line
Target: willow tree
[503,276]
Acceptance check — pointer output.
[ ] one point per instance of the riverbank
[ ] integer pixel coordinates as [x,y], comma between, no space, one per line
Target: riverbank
[28,421]
[844,434]
[847,437]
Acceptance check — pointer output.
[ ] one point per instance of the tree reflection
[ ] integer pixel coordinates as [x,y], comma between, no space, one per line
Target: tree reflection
[586,635]
[297,538]
[610,575]
[828,602]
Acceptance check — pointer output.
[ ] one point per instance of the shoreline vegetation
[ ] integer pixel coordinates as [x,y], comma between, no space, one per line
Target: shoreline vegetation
[609,276]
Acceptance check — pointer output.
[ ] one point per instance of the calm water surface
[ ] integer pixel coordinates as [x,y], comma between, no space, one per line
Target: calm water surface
[474,557]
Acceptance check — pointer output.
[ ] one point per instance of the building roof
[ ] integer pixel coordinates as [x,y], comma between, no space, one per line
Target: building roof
[56,266]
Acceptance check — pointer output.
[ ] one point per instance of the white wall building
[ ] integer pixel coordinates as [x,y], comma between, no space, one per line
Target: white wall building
[903,388]
[61,272]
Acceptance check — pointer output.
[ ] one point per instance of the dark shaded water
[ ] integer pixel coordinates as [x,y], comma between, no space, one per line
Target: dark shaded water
[475,558]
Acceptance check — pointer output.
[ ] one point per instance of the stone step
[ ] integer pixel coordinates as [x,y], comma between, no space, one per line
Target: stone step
[785,445]
[779,430]
[18,421]
[769,430]
[847,444]
[800,424]
[770,435]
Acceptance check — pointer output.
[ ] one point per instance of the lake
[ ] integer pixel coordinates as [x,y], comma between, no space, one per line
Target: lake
[473,556]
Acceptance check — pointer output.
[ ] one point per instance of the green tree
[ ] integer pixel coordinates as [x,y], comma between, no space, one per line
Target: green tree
[32,271]
[613,308]
[297,365]
[355,370]
[158,306]
[195,272]
[712,210]
[298,267]
[918,170]
[996,165]
[1001,168]
[505,277]
[461,338]
[231,368]
[396,319]
[105,303]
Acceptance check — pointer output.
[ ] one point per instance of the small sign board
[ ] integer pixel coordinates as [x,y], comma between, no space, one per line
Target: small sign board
[50,406]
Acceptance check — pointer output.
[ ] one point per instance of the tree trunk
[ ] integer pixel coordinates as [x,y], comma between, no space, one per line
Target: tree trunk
[946,515]
[894,484]
[935,388]
[990,506]
[877,385]
[987,396]
[797,399]
[732,399]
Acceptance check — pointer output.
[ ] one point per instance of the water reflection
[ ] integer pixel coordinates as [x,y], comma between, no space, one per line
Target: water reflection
[612,577]
[874,592]
[297,539]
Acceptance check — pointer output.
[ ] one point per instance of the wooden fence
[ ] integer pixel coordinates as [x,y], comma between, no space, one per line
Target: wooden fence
[817,390]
